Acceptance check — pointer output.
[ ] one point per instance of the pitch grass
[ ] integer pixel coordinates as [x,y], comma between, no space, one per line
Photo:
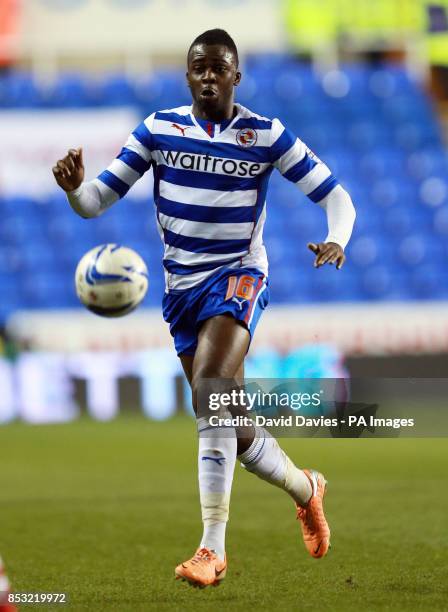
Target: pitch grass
[104,512]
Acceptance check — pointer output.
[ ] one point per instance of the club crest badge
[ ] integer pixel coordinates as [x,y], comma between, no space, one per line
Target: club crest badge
[246,137]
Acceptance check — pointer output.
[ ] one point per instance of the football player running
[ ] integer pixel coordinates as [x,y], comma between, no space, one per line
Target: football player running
[211,162]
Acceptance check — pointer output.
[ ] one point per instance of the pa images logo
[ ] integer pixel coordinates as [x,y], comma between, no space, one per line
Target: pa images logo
[246,137]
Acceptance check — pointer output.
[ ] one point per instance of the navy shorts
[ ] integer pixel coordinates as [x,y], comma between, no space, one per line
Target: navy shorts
[241,292]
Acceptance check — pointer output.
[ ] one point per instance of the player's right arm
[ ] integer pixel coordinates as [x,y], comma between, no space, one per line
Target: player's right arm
[69,174]
[92,198]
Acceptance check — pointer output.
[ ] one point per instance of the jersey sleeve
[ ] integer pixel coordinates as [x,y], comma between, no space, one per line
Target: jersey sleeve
[92,198]
[297,163]
[131,164]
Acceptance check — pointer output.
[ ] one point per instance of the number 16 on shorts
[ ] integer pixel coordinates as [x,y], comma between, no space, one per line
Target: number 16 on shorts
[245,291]
[241,287]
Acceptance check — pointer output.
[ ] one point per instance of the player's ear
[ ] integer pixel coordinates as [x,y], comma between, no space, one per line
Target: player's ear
[187,76]
[237,78]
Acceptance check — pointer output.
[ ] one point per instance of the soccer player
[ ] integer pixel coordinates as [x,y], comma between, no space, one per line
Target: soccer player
[5,591]
[212,162]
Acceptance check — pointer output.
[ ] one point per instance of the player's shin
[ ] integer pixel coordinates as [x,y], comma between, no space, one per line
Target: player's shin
[216,464]
[269,462]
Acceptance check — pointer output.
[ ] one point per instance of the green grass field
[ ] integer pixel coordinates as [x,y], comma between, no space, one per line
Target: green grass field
[104,512]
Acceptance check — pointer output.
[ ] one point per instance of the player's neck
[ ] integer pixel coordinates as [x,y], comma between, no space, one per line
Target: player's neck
[216,116]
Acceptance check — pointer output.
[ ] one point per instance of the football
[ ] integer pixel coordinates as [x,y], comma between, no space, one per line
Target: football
[111,280]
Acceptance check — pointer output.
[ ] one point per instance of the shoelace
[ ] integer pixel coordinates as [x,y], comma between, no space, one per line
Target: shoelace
[202,555]
[301,512]
[302,515]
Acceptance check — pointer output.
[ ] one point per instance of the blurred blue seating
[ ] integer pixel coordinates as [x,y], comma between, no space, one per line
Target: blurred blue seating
[69,90]
[47,289]
[426,162]
[328,286]
[11,296]
[383,282]
[118,90]
[374,127]
[37,255]
[18,90]
[382,162]
[430,280]
[441,221]
[367,250]
[159,90]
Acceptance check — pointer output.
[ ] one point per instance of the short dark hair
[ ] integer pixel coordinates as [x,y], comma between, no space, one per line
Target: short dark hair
[215,37]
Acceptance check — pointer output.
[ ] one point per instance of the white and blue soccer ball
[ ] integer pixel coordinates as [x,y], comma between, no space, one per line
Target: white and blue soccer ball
[111,280]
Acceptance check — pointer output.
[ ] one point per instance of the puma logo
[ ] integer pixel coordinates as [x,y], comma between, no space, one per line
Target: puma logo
[181,129]
[239,302]
[218,460]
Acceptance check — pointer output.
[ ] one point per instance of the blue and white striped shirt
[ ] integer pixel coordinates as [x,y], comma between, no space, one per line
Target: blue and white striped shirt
[210,186]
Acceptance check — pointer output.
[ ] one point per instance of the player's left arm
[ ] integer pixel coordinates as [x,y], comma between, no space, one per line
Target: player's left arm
[300,165]
[340,218]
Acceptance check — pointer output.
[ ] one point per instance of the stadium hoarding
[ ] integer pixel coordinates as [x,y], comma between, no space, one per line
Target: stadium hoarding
[50,387]
[44,388]
[419,328]
[49,134]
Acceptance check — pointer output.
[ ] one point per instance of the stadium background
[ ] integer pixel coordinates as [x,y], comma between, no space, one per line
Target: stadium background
[365,85]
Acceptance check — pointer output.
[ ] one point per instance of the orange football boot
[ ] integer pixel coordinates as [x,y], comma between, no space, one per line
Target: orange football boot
[203,569]
[315,530]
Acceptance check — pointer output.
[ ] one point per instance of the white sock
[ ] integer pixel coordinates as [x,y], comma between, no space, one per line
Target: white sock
[216,464]
[268,461]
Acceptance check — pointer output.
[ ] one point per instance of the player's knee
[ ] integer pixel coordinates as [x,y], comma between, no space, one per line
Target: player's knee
[244,441]
[208,376]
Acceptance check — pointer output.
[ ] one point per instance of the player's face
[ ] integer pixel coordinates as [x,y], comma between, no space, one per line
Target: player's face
[212,75]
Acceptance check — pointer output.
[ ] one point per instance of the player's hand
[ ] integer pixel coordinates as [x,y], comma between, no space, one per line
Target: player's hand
[327,252]
[69,171]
